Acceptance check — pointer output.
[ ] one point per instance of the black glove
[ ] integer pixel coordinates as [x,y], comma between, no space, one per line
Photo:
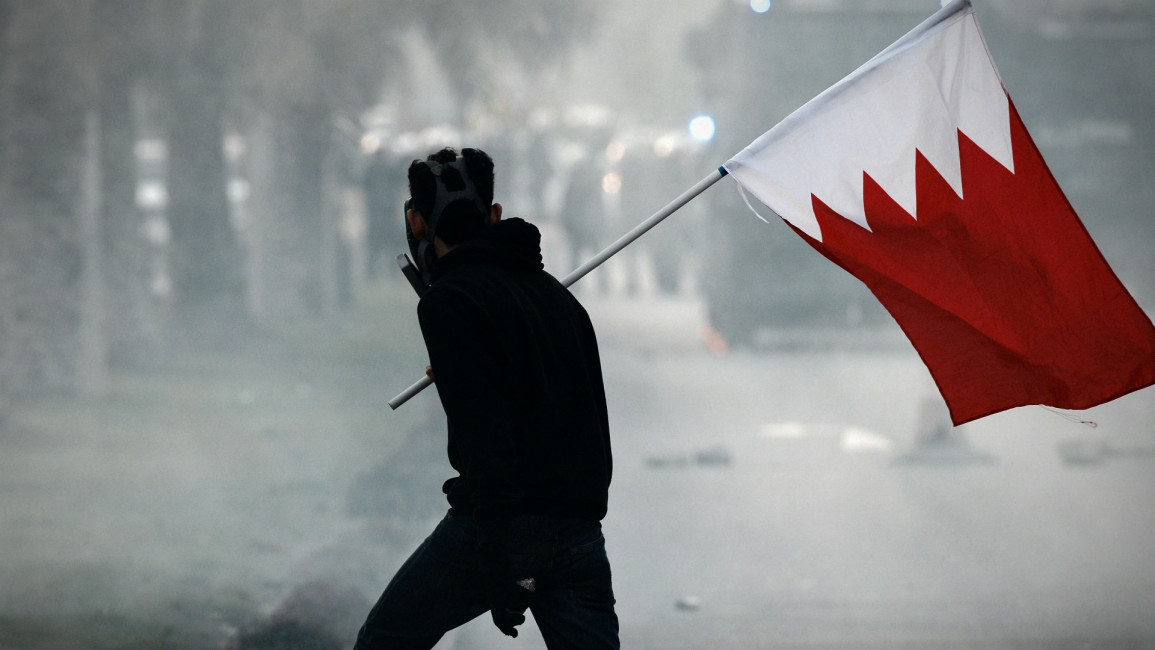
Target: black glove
[507,620]
[509,594]
[508,599]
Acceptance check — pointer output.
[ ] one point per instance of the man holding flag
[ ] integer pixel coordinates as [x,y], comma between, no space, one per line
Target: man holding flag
[519,376]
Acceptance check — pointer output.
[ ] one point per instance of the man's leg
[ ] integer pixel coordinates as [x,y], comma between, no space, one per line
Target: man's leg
[575,607]
[437,589]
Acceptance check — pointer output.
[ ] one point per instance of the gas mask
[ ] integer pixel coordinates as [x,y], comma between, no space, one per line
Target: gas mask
[453,184]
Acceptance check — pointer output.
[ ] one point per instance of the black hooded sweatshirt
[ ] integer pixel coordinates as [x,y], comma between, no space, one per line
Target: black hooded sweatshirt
[518,373]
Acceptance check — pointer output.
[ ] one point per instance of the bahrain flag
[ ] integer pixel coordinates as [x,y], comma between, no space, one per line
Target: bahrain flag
[916,174]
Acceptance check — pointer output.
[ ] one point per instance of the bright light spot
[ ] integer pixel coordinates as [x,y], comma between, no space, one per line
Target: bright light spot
[702,128]
[856,439]
[151,195]
[238,190]
[611,183]
[370,143]
[664,146]
[783,430]
[760,6]
[234,146]
[615,151]
[152,150]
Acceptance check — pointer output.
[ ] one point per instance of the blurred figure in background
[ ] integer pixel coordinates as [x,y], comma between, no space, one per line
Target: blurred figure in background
[581,213]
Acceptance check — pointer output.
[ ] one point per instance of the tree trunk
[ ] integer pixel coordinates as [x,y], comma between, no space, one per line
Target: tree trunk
[45,92]
[206,259]
[92,353]
[134,319]
[291,224]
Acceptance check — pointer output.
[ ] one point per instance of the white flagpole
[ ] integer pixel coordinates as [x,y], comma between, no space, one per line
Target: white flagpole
[596,260]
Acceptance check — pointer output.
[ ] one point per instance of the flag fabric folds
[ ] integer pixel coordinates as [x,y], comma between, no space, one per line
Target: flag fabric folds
[916,174]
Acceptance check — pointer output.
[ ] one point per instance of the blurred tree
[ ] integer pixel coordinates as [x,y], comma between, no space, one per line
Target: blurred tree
[197,42]
[47,90]
[122,51]
[286,74]
[305,69]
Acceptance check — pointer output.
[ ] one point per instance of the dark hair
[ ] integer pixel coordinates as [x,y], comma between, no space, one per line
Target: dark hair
[459,221]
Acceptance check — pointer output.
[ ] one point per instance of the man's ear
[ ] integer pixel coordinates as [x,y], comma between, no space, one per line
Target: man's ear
[416,223]
[495,214]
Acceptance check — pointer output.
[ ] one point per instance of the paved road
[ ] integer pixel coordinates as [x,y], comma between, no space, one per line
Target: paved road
[759,500]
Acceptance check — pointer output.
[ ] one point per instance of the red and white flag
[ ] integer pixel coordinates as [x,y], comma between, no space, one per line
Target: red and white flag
[916,174]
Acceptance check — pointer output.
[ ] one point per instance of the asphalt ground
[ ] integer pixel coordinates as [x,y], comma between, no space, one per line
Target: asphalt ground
[761,499]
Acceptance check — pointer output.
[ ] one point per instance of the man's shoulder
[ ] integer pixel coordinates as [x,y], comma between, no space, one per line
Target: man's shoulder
[440,296]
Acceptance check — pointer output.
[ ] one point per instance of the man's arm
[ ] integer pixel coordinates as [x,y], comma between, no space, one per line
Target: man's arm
[463,354]
[473,389]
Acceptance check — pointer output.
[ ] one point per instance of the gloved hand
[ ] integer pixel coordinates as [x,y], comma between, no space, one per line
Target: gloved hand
[507,620]
[509,594]
[508,600]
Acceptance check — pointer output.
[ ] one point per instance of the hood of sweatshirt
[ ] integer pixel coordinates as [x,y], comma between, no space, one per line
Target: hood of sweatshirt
[511,243]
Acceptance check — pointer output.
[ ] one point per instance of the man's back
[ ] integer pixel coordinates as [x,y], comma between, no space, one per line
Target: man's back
[518,371]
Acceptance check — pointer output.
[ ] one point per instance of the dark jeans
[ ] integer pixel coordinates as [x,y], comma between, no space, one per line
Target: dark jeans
[440,586]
